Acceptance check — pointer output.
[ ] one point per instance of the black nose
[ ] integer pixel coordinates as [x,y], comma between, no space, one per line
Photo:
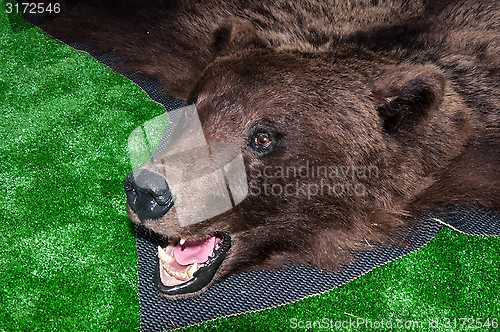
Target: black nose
[148,194]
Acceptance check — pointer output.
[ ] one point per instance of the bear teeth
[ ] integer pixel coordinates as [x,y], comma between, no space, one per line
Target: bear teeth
[167,259]
[164,257]
[192,269]
[181,275]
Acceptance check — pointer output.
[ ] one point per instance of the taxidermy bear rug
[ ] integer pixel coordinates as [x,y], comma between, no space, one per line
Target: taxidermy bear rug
[407,90]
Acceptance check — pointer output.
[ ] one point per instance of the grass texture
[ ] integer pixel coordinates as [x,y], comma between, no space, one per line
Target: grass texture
[67,250]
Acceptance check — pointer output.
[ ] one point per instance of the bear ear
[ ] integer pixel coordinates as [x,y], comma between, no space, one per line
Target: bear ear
[407,99]
[234,35]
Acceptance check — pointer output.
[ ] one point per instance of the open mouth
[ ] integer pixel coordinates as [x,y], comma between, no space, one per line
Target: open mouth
[189,266]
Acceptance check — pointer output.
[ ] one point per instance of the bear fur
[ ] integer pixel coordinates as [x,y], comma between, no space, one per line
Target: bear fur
[399,100]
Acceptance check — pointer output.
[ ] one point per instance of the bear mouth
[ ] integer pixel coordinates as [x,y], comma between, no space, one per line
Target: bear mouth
[188,266]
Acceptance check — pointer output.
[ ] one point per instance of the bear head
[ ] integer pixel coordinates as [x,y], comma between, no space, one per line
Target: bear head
[336,146]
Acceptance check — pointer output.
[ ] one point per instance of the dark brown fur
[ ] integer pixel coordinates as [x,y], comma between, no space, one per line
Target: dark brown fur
[409,87]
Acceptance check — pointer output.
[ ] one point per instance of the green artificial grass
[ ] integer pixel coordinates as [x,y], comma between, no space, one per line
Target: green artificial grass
[68,259]
[67,250]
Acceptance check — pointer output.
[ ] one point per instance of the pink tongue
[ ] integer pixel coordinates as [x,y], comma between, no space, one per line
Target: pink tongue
[195,251]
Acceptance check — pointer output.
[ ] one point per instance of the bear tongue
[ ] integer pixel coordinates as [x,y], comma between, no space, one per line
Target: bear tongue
[195,251]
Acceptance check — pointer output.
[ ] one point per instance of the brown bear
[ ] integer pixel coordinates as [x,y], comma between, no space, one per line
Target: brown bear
[353,119]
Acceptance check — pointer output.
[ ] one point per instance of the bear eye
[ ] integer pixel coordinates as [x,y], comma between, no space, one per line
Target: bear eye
[262,139]
[265,138]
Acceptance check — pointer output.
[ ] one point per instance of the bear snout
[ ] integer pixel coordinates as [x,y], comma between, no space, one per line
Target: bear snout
[148,194]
